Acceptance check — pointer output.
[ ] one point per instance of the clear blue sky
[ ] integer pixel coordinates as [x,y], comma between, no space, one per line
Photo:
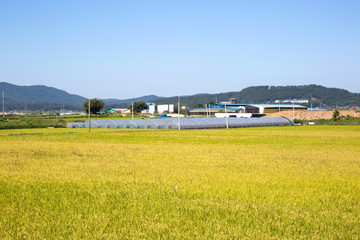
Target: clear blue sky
[123,49]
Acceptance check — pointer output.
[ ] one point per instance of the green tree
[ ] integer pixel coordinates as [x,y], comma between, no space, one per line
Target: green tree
[95,105]
[336,114]
[182,111]
[139,106]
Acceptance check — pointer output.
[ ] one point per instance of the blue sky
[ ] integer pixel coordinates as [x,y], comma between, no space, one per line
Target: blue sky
[123,49]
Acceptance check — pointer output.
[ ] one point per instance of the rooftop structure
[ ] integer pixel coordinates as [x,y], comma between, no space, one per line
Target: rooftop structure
[296,100]
[257,110]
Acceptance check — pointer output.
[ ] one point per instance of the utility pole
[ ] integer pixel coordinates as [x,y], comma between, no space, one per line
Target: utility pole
[89,114]
[293,112]
[226,116]
[179,114]
[132,110]
[3,104]
[26,110]
[279,106]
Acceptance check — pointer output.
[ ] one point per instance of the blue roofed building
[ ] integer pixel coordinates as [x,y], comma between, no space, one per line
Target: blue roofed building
[243,110]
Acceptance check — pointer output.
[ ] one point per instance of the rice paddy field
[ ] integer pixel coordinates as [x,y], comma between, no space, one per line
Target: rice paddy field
[248,183]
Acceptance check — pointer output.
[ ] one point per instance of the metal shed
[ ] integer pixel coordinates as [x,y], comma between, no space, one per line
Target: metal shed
[185,123]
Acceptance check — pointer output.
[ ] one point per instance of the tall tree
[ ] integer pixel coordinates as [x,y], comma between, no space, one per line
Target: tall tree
[139,106]
[95,105]
[336,114]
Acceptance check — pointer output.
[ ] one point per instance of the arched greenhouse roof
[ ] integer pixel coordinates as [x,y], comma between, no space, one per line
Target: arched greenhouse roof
[185,123]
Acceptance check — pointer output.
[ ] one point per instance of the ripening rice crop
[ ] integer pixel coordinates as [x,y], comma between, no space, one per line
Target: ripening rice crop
[255,183]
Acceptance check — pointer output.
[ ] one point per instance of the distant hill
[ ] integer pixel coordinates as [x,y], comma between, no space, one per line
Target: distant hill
[129,101]
[44,98]
[51,99]
[38,94]
[265,94]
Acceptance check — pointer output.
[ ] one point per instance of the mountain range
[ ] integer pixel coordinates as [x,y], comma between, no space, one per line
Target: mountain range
[38,94]
[147,98]
[317,95]
[46,98]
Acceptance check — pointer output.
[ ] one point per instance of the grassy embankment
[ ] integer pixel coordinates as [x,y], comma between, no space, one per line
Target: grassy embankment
[21,123]
[60,121]
[51,120]
[342,121]
[273,182]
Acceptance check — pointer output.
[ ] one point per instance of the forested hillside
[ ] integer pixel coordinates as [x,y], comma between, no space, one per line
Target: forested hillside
[129,101]
[266,94]
[43,98]
[38,94]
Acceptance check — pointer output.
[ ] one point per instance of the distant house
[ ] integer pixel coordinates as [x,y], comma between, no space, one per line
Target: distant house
[117,110]
[151,107]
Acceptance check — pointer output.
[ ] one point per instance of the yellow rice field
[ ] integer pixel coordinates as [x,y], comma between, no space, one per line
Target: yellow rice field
[249,183]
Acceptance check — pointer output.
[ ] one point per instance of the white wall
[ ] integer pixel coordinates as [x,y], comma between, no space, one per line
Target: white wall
[165,107]
[261,109]
[152,109]
[238,115]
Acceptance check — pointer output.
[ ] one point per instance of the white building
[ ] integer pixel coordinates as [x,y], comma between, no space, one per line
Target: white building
[296,100]
[165,107]
[233,115]
[119,110]
[152,109]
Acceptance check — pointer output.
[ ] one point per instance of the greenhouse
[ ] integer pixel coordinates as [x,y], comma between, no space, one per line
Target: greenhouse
[185,123]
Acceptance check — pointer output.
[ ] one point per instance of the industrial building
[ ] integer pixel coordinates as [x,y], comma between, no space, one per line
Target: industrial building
[256,110]
[296,100]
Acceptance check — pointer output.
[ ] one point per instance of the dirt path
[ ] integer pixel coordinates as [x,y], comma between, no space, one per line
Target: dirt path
[312,115]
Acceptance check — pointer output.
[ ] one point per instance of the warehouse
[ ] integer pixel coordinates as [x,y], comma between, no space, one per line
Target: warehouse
[256,110]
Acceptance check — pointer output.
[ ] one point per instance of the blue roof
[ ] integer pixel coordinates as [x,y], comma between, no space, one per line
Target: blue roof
[204,109]
[316,109]
[234,108]
[217,108]
[236,104]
